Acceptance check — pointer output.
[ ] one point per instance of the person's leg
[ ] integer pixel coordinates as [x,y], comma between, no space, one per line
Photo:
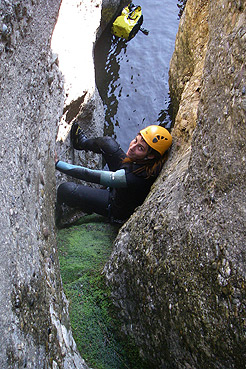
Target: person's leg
[107,146]
[87,199]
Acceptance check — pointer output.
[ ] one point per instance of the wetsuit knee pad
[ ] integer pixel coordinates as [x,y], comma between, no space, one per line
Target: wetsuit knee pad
[65,190]
[108,145]
[100,145]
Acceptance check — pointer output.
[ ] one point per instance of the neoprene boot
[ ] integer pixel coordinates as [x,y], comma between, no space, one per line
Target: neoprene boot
[78,139]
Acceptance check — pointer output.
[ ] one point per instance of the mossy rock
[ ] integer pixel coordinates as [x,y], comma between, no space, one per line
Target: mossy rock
[84,249]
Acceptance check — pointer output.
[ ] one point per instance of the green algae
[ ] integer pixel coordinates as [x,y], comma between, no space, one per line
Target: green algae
[84,249]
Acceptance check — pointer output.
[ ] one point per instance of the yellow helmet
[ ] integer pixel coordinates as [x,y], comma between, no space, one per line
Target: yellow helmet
[157,137]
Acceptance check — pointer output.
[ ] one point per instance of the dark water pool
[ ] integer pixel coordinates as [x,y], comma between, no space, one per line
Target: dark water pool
[132,77]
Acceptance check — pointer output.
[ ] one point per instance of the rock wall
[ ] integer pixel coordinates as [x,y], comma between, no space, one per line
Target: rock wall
[186,69]
[34,323]
[33,311]
[177,272]
[78,26]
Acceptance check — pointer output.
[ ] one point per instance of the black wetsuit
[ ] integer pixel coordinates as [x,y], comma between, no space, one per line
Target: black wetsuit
[127,184]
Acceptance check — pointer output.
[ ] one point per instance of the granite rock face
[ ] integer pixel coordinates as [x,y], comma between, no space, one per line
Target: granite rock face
[34,323]
[178,272]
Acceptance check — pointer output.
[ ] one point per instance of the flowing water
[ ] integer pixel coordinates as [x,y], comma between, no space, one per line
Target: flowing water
[132,77]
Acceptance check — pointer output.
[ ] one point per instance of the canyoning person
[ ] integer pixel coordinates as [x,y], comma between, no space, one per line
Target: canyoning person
[128,180]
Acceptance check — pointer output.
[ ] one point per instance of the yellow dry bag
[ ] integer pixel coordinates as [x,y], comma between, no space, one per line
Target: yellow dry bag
[128,23]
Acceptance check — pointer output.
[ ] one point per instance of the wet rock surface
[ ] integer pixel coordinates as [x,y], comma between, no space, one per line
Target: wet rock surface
[177,271]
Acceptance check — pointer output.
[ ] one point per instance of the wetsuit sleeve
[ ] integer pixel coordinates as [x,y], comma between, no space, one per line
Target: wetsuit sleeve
[106,178]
